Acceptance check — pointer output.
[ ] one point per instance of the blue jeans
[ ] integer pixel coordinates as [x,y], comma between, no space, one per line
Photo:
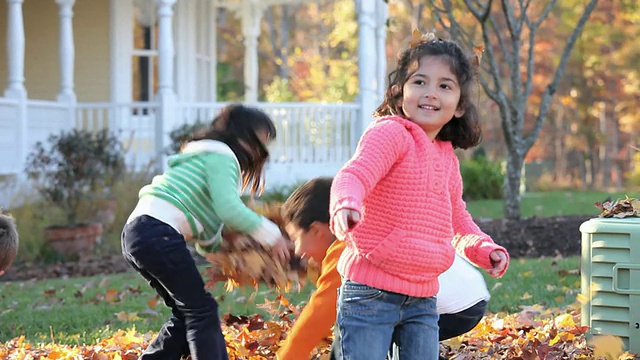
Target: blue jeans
[371,320]
[449,326]
[160,255]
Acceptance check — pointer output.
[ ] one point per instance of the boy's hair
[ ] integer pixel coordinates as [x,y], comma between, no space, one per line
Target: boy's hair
[237,126]
[463,132]
[308,203]
[8,241]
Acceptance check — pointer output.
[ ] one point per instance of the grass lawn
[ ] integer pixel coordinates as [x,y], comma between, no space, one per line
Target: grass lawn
[82,310]
[551,203]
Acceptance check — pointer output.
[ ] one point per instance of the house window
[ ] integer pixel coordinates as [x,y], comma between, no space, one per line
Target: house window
[145,51]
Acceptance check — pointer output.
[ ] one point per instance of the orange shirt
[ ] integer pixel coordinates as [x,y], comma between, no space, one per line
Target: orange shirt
[319,315]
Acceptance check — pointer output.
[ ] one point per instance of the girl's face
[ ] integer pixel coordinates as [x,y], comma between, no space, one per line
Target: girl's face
[431,95]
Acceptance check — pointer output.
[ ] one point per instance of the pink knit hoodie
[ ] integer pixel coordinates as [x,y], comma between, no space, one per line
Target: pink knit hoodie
[408,190]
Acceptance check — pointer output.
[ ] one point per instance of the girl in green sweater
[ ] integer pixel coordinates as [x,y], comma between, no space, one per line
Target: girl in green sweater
[193,199]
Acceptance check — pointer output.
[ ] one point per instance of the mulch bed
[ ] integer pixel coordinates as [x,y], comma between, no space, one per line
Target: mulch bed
[532,237]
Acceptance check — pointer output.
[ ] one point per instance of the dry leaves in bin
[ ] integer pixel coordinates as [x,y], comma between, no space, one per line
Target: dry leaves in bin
[621,208]
[243,261]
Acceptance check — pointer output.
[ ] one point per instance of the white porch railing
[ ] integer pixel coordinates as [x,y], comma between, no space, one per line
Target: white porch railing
[313,139]
[45,118]
[135,123]
[9,136]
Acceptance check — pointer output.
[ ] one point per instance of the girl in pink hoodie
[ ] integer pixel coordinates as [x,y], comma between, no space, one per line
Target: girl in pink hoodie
[398,206]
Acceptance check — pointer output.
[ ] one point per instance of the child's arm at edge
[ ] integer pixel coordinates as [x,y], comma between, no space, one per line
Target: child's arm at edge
[469,241]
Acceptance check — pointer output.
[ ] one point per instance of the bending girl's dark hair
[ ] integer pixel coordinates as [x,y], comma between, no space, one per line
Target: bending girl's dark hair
[463,132]
[237,126]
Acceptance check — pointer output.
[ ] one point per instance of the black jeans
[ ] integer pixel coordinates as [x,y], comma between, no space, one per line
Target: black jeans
[450,326]
[160,255]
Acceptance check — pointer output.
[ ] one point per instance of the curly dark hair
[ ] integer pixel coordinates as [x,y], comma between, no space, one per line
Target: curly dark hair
[237,126]
[463,132]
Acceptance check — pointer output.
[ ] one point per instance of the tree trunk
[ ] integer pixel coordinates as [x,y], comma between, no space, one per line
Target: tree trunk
[511,186]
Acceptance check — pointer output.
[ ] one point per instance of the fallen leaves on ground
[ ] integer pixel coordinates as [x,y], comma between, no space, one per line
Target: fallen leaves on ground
[533,333]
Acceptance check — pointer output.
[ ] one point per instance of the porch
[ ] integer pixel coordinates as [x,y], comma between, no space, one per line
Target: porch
[314,139]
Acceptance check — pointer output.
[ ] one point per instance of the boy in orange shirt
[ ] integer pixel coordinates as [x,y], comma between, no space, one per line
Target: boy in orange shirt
[306,218]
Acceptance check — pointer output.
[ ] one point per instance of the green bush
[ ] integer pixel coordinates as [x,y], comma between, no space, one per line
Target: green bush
[482,178]
[73,168]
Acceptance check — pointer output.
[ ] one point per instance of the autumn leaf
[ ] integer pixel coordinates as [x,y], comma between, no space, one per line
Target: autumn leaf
[111,295]
[124,316]
[582,299]
[607,346]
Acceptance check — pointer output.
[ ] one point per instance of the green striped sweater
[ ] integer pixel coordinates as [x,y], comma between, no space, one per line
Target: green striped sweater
[203,182]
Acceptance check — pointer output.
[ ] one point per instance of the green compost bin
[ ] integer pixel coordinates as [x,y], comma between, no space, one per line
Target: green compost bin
[610,278]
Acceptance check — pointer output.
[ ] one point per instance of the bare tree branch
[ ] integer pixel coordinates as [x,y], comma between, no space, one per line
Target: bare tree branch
[530,63]
[510,19]
[485,12]
[530,139]
[515,29]
[501,43]
[479,11]
[545,13]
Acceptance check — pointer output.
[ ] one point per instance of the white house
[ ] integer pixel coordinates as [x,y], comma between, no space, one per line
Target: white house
[86,64]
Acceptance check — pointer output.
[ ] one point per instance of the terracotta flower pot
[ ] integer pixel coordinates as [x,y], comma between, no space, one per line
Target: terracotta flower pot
[74,241]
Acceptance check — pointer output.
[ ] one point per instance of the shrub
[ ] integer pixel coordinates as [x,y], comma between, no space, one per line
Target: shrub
[75,168]
[482,178]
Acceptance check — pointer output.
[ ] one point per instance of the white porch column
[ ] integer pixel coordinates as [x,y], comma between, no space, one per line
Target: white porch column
[251,16]
[366,10]
[15,50]
[187,22]
[15,66]
[67,51]
[382,14]
[166,94]
[213,51]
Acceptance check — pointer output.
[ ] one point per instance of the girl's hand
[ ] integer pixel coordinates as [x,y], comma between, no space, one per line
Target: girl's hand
[280,251]
[344,220]
[499,262]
